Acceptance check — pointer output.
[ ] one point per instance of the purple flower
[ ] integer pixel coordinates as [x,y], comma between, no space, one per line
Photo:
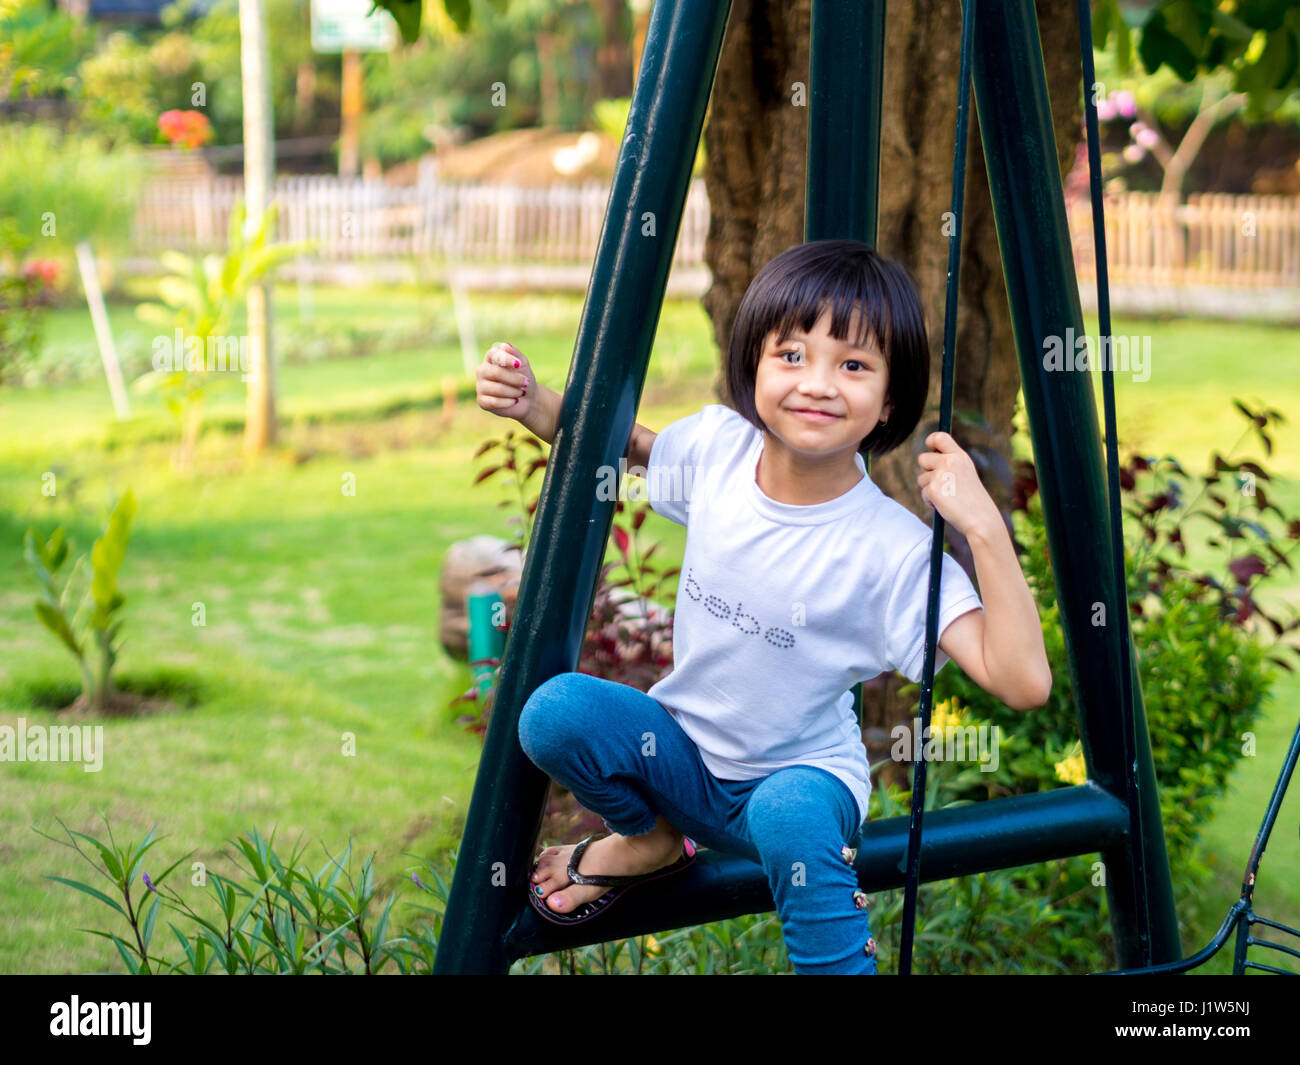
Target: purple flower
[418,881]
[147,882]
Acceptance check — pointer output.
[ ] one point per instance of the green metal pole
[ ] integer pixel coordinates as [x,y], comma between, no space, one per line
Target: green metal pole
[1025,182]
[846,75]
[571,527]
[846,71]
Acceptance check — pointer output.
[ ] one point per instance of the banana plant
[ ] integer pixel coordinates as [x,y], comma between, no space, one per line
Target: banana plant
[91,631]
[200,296]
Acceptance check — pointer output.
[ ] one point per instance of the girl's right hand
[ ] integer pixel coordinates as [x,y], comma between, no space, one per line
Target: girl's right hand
[506,385]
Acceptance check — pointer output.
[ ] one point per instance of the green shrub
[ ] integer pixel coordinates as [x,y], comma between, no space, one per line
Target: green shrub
[1204,663]
[62,189]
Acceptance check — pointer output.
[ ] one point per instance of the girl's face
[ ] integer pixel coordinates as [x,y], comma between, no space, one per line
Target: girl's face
[819,395]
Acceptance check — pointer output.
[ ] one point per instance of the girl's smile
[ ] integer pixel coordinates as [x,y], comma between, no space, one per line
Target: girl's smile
[819,398]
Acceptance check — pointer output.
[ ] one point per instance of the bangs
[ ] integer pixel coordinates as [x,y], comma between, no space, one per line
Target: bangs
[873,304]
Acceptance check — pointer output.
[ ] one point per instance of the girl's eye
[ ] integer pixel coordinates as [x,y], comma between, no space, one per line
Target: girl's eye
[857,364]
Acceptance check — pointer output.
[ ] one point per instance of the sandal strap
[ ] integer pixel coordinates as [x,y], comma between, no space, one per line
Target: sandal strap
[595,879]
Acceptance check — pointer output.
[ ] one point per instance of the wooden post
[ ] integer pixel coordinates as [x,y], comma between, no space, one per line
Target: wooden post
[350,131]
[103,334]
[259,180]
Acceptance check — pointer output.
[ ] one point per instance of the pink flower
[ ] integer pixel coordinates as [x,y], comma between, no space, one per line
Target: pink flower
[44,270]
[1147,137]
[1134,153]
[186,129]
[1125,104]
[1105,110]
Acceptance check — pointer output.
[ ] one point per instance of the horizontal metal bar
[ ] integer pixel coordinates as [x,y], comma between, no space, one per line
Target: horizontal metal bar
[958,841]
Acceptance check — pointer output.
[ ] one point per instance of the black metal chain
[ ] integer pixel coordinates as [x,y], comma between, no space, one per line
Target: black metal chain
[937,525]
[913,860]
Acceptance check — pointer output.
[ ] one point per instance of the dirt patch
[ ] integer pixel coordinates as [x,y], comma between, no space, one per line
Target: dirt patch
[119,704]
[161,692]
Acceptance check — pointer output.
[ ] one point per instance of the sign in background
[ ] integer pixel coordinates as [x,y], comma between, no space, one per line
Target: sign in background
[348,25]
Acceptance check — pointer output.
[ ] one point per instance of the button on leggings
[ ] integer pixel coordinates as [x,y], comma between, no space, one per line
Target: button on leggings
[625,757]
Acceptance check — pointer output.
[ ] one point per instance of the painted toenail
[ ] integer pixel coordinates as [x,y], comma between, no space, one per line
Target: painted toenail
[538,889]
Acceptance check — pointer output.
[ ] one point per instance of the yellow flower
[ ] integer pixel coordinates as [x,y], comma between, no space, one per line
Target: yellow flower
[1072,770]
[943,716]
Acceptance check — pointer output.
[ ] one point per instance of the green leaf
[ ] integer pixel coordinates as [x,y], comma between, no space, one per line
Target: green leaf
[185,946]
[111,863]
[1189,22]
[57,551]
[1102,17]
[133,966]
[407,14]
[150,917]
[1231,27]
[1159,46]
[1123,44]
[89,891]
[54,620]
[106,559]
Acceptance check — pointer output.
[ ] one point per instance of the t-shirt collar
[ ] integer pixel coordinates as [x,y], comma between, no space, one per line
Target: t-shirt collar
[811,514]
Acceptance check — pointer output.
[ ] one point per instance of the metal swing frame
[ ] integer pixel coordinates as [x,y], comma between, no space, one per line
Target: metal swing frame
[489,923]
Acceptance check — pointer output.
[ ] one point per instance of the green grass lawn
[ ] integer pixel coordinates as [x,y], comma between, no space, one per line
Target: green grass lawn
[321,609]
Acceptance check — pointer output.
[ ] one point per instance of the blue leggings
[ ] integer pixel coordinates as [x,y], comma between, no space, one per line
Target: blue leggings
[625,757]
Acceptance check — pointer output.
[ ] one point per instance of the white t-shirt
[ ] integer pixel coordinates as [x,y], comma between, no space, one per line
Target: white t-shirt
[781,608]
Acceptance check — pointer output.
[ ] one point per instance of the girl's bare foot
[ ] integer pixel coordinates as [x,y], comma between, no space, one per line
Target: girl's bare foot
[614,855]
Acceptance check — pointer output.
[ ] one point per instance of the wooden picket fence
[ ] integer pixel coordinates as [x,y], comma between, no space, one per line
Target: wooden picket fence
[367,219]
[1211,239]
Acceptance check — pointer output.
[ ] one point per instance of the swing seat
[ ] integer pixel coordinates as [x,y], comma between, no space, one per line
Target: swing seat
[1021,829]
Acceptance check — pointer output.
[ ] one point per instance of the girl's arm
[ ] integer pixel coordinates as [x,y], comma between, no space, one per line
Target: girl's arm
[999,647]
[512,391]
[541,420]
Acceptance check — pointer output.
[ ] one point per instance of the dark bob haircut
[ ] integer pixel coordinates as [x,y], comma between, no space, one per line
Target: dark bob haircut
[794,291]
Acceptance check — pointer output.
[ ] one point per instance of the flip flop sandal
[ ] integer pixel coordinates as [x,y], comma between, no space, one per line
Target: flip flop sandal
[620,884]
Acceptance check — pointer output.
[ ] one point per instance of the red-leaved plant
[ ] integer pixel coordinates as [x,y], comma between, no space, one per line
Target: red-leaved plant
[629,634]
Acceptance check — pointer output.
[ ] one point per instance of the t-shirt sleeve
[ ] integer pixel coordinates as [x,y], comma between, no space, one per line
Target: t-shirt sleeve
[905,614]
[674,462]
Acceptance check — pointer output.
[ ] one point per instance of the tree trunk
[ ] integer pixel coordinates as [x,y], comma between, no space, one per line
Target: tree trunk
[548,86]
[614,58]
[756,142]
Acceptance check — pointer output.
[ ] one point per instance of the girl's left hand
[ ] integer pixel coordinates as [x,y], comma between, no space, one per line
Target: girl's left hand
[951,485]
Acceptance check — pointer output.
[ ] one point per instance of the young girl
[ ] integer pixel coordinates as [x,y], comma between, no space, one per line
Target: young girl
[800,578]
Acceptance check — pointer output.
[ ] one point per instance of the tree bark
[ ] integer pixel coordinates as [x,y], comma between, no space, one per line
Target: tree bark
[614,58]
[756,142]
